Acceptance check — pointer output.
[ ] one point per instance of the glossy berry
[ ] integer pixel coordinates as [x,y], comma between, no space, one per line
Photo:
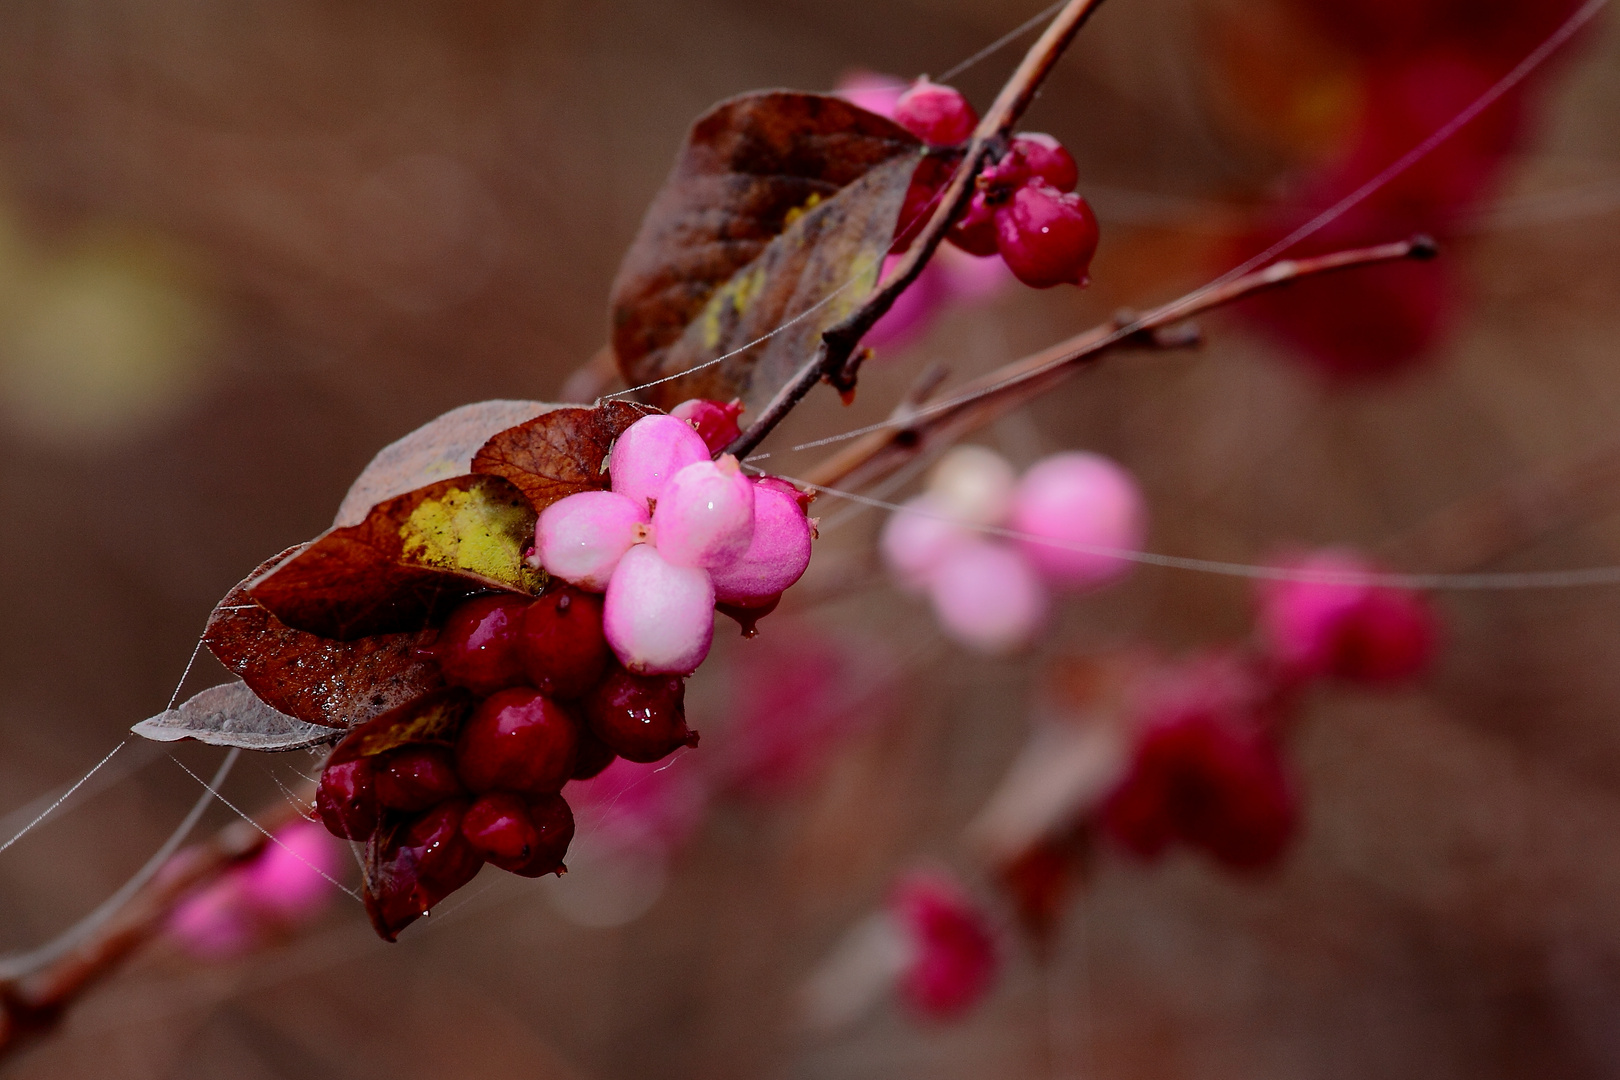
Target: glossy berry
[560,642]
[1047,237]
[582,538]
[1078,510]
[594,755]
[518,740]
[415,777]
[641,718]
[952,948]
[975,231]
[778,553]
[658,617]
[553,823]
[938,115]
[477,648]
[987,596]
[1040,155]
[715,422]
[705,514]
[497,824]
[424,863]
[346,799]
[649,453]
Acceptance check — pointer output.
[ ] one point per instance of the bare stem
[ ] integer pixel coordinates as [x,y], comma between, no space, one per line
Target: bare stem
[836,359]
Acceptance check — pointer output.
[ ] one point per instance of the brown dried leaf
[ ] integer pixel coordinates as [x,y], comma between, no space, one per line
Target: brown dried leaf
[411,560]
[315,679]
[559,453]
[232,715]
[438,450]
[432,718]
[777,202]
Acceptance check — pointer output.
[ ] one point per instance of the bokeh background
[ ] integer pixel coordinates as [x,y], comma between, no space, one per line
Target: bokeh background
[243,246]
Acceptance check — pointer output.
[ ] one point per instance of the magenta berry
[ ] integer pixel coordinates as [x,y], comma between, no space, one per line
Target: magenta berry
[938,115]
[778,553]
[975,231]
[1080,512]
[478,646]
[346,799]
[594,755]
[715,422]
[497,825]
[1042,156]
[658,617]
[560,642]
[424,863]
[641,718]
[1047,237]
[649,453]
[953,957]
[705,515]
[916,539]
[987,596]
[582,538]
[553,822]
[518,740]
[415,777]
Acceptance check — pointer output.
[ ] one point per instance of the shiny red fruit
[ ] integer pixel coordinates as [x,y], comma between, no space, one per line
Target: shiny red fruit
[938,115]
[518,740]
[560,642]
[1041,155]
[423,863]
[346,799]
[641,718]
[497,825]
[478,646]
[415,777]
[1047,237]
[553,823]
[594,755]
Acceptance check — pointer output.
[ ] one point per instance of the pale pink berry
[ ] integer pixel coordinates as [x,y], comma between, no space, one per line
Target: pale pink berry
[952,946]
[1078,512]
[649,453]
[1047,237]
[938,115]
[286,881]
[776,556]
[215,923]
[705,515]
[987,596]
[916,539]
[658,617]
[871,91]
[973,485]
[582,538]
[714,421]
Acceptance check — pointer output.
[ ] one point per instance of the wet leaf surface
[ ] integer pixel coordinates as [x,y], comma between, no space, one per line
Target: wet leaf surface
[412,559]
[315,679]
[778,202]
[434,717]
[232,715]
[558,454]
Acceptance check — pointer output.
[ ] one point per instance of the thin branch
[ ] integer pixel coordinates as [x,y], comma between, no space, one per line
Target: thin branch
[836,359]
[992,396]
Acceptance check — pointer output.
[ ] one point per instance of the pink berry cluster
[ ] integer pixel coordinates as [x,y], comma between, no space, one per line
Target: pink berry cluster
[1206,768]
[1072,514]
[556,687]
[951,958]
[1025,207]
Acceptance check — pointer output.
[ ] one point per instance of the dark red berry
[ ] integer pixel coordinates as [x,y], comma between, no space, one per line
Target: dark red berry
[1047,237]
[478,646]
[416,777]
[642,718]
[553,823]
[975,231]
[518,740]
[346,799]
[594,755]
[497,825]
[938,115]
[420,865]
[1038,154]
[560,642]
[715,421]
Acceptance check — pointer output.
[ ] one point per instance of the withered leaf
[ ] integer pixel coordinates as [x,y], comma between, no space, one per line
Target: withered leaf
[232,715]
[438,450]
[778,202]
[413,558]
[311,678]
[558,453]
[432,718]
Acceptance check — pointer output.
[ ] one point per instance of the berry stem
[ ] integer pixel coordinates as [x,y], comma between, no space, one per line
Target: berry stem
[837,359]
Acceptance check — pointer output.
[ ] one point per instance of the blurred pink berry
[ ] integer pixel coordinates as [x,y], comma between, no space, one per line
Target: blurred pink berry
[705,514]
[653,808]
[658,617]
[582,538]
[649,453]
[215,923]
[973,485]
[778,553]
[1047,237]
[953,948]
[987,596]
[913,310]
[714,421]
[1077,508]
[285,881]
[873,92]
[938,115]
[917,537]
[970,278]
[1347,630]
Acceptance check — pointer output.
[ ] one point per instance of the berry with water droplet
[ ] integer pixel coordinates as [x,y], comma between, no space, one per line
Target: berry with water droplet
[705,515]
[518,740]
[553,822]
[415,777]
[778,553]
[1046,237]
[938,115]
[346,799]
[658,617]
[497,825]
[477,648]
[560,643]
[641,718]
[424,862]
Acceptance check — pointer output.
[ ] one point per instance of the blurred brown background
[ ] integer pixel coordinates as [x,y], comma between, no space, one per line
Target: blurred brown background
[243,246]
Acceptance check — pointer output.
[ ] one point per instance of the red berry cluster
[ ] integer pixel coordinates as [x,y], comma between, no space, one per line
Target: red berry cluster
[1025,207]
[540,700]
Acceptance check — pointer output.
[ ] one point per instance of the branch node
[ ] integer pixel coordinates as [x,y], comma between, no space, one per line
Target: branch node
[1423,247]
